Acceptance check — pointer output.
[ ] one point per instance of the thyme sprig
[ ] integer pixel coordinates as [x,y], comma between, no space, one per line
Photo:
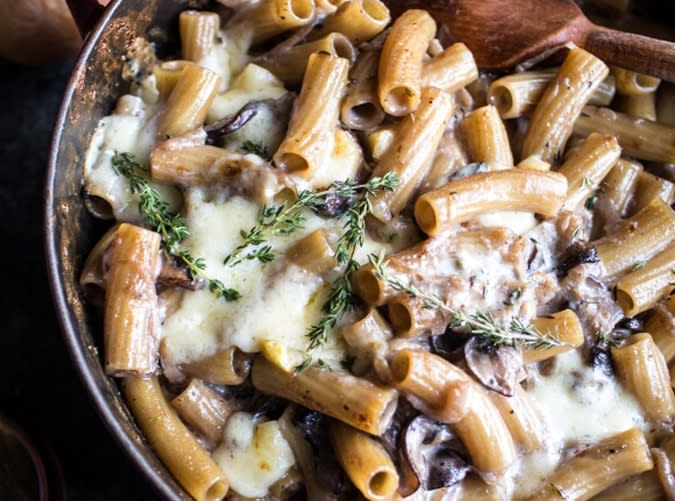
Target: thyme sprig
[170,226]
[257,148]
[284,219]
[479,323]
[341,299]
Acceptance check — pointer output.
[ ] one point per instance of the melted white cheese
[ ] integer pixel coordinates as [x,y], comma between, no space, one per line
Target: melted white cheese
[279,300]
[579,405]
[517,221]
[253,456]
[342,161]
[131,129]
[254,82]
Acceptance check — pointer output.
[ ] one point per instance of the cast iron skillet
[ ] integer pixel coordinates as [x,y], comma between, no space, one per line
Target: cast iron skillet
[93,88]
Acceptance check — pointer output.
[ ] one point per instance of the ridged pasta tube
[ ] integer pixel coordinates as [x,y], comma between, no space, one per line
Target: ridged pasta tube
[553,117]
[183,456]
[400,70]
[542,192]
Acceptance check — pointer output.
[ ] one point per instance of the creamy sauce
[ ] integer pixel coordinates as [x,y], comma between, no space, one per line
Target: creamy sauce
[132,128]
[579,406]
[518,222]
[254,82]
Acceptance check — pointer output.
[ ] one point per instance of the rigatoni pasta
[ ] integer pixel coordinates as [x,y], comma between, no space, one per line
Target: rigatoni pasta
[452,69]
[130,319]
[183,456]
[527,190]
[638,137]
[594,469]
[358,20]
[310,136]
[517,94]
[486,138]
[409,156]
[400,68]
[561,103]
[370,283]
[189,101]
[642,367]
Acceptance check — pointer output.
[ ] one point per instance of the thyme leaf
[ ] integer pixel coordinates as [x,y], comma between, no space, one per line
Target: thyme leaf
[284,219]
[170,226]
[257,148]
[638,265]
[604,341]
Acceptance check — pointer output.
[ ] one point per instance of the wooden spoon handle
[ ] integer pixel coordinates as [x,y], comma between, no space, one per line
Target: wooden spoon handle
[634,52]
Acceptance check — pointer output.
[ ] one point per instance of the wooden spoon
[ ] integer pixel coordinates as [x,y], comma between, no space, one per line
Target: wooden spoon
[503,33]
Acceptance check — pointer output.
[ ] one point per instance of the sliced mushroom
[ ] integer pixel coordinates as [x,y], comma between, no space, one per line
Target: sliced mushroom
[627,326]
[499,368]
[313,427]
[601,360]
[449,345]
[232,123]
[577,253]
[334,205]
[434,454]
[172,275]
[259,113]
[590,299]
[469,170]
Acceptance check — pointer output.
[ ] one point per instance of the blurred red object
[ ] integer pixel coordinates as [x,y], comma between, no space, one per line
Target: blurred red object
[22,471]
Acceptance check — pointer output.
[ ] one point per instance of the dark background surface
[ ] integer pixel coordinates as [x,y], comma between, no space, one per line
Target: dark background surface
[40,389]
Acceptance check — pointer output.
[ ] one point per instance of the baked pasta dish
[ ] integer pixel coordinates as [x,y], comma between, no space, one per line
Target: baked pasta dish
[345,264]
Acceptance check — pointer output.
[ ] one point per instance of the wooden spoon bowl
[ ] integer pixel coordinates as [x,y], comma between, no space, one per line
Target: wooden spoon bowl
[503,33]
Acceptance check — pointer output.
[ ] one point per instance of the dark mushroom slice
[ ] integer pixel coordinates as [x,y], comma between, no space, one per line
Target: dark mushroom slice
[334,205]
[314,427]
[232,131]
[628,326]
[576,254]
[434,454]
[449,345]
[601,360]
[173,275]
[591,300]
[391,438]
[469,170]
[231,123]
[498,368]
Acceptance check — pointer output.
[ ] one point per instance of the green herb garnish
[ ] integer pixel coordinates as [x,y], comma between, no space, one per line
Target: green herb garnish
[638,265]
[341,298]
[479,323]
[257,148]
[284,219]
[514,296]
[602,340]
[170,226]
